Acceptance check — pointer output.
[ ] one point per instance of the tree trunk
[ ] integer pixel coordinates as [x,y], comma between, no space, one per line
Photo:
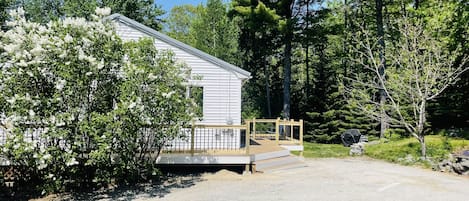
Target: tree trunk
[287,70]
[423,146]
[416,4]
[344,43]
[308,86]
[382,59]
[267,87]
[287,81]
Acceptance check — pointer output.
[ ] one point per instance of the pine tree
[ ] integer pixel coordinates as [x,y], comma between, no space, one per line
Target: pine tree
[215,33]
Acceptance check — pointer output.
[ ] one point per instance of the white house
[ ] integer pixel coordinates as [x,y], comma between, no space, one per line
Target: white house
[221,81]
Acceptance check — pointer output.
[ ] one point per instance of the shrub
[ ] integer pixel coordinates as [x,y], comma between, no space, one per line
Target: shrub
[78,104]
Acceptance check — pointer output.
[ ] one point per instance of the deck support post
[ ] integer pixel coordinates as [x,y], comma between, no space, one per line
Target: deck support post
[247,168]
[248,144]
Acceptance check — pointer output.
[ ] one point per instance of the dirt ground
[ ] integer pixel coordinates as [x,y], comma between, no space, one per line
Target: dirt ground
[358,179]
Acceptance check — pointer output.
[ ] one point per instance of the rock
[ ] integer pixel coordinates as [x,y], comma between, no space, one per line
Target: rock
[409,158]
[445,166]
[458,168]
[357,149]
[455,163]
[363,138]
[465,164]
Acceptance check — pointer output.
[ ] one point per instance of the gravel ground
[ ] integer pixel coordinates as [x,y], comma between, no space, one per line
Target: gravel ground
[331,179]
[358,179]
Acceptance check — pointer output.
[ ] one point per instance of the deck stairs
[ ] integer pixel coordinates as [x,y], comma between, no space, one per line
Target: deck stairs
[274,161]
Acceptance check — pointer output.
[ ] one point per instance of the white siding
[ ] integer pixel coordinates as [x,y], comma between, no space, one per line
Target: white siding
[222,89]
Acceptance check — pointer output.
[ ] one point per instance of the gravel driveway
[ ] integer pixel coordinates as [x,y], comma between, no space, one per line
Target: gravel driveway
[358,179]
[330,179]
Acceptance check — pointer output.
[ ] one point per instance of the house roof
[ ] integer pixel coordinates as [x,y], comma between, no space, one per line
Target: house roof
[160,36]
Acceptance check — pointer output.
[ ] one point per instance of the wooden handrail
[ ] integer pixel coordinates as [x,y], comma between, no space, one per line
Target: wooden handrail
[221,126]
[278,122]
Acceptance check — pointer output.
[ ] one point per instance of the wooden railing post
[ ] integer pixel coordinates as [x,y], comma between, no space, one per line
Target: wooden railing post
[301,132]
[254,127]
[292,121]
[248,137]
[193,138]
[277,130]
[301,136]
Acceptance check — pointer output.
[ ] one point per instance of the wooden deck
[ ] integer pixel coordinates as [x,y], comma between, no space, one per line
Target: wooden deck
[253,145]
[259,149]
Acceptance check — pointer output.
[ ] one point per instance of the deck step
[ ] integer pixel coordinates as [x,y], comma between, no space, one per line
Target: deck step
[270,155]
[280,163]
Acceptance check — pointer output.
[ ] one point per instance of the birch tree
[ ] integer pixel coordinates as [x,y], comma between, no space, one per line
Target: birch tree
[421,69]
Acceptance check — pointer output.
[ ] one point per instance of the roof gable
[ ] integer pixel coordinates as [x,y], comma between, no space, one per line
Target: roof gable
[178,44]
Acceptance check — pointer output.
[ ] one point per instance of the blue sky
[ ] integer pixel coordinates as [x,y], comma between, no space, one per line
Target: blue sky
[168,4]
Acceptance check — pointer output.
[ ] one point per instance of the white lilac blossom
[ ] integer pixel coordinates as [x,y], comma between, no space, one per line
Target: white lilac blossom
[168,95]
[72,162]
[59,54]
[38,50]
[42,164]
[60,84]
[68,38]
[132,105]
[47,156]
[152,77]
[31,113]
[11,100]
[101,64]
[103,11]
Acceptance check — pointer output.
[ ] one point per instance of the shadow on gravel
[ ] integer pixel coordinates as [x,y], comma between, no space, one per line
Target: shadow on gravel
[131,192]
[175,177]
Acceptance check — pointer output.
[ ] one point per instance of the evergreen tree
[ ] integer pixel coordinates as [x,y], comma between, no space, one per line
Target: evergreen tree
[259,31]
[180,22]
[215,33]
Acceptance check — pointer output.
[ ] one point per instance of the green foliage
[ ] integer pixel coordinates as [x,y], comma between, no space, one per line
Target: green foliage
[206,28]
[5,5]
[146,12]
[215,33]
[259,46]
[315,150]
[407,151]
[328,126]
[180,22]
[42,11]
[79,104]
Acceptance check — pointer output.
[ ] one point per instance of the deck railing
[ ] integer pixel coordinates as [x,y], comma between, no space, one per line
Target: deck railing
[281,130]
[211,139]
[208,139]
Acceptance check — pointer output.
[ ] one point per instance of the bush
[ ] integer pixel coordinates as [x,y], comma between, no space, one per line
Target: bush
[80,105]
[407,151]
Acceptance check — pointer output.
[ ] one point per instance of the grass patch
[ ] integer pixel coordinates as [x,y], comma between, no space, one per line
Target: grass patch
[315,150]
[407,151]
